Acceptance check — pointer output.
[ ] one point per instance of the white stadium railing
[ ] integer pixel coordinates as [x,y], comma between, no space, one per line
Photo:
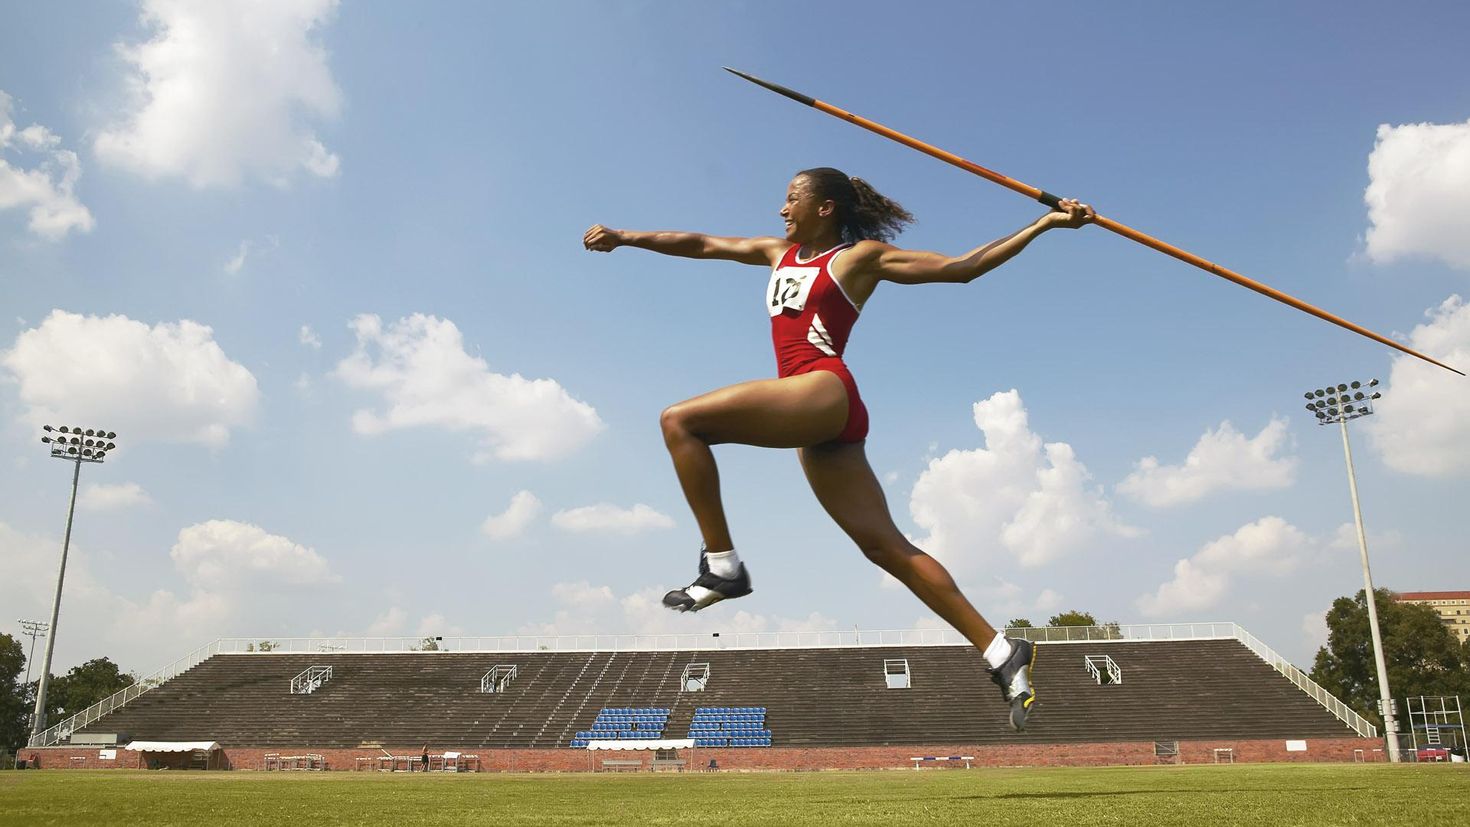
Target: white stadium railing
[696,642]
[1344,713]
[55,734]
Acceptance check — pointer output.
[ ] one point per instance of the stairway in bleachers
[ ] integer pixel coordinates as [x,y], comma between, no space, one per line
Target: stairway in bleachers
[812,697]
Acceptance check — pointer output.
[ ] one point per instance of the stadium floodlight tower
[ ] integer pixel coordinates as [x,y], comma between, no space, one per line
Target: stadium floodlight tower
[1337,404]
[77,446]
[31,629]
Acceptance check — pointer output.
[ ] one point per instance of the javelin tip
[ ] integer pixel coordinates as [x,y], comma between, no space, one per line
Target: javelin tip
[778,89]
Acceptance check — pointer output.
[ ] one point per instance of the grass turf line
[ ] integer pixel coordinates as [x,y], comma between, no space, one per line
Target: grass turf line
[1326,794]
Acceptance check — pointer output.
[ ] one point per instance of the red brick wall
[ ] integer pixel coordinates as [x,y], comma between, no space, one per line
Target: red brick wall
[778,758]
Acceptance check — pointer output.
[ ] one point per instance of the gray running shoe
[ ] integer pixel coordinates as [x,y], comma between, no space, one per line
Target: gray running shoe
[1014,679]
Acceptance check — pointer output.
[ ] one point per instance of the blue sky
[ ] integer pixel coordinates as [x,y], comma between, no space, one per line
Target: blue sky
[375,210]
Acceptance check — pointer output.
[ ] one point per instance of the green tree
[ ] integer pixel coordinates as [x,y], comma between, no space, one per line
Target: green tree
[1422,655]
[1072,619]
[1018,623]
[83,686]
[14,697]
[1111,630]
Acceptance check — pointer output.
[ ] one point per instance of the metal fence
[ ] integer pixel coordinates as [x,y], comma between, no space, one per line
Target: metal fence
[707,642]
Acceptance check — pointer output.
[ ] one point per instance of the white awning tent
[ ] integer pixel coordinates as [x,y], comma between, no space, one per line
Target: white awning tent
[172,746]
[178,755]
[677,743]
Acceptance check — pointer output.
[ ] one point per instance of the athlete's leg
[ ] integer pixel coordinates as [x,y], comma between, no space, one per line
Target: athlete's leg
[845,485]
[771,413]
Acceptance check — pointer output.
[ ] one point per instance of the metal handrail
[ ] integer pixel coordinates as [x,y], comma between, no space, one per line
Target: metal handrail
[112,702]
[1115,672]
[1344,713]
[310,680]
[496,679]
[729,640]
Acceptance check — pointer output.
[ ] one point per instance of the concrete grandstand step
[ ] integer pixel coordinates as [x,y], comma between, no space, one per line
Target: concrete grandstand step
[813,697]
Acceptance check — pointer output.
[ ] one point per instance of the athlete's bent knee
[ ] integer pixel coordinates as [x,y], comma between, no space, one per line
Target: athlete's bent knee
[887,555]
[674,422]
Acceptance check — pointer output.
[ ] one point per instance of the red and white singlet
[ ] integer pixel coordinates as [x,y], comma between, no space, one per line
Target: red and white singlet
[811,319]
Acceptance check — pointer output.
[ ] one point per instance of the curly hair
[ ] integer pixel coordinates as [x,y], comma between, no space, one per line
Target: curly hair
[862,211]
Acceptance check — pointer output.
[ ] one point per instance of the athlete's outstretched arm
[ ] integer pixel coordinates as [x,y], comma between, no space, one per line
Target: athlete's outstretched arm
[761,250]
[874,262]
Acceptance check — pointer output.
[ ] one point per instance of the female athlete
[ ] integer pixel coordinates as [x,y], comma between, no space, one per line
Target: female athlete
[833,256]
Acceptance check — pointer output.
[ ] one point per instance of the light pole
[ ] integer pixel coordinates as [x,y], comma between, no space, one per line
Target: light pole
[31,629]
[76,446]
[1338,404]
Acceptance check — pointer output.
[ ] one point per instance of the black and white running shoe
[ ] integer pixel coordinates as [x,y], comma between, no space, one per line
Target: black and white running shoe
[1014,679]
[708,589]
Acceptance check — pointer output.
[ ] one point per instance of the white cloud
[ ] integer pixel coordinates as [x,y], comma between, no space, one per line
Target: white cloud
[308,337]
[1013,497]
[1314,630]
[513,521]
[1419,193]
[1222,459]
[435,625]
[226,90]
[170,382]
[604,517]
[236,262]
[1048,601]
[426,378]
[1422,423]
[228,555]
[101,497]
[1346,539]
[583,595]
[248,248]
[394,623]
[237,579]
[1269,545]
[931,623]
[47,187]
[389,624]
[583,608]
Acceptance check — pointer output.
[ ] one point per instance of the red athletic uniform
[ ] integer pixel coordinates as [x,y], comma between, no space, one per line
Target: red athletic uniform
[810,321]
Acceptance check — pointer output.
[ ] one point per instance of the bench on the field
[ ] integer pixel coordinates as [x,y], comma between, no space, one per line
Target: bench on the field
[622,763]
[670,763]
[932,759]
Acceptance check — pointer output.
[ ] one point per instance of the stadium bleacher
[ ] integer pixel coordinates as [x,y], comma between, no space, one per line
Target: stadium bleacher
[838,696]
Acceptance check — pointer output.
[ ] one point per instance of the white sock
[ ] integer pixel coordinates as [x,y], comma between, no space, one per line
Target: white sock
[724,564]
[998,650]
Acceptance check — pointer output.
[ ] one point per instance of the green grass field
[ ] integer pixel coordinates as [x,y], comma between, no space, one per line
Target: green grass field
[1238,794]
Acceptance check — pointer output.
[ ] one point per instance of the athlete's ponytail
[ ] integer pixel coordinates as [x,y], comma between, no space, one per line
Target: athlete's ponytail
[862,211]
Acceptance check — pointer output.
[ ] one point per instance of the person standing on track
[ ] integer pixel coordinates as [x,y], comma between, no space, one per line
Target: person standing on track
[833,255]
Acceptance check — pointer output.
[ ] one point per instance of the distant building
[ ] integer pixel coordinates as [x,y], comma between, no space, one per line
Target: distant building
[1453,609]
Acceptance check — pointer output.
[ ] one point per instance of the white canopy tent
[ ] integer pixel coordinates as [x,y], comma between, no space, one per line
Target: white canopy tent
[199,755]
[676,743]
[172,746]
[620,746]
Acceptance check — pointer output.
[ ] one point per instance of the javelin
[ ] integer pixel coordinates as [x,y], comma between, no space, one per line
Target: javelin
[1106,223]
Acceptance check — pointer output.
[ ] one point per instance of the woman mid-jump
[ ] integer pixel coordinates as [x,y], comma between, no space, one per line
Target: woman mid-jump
[833,256]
